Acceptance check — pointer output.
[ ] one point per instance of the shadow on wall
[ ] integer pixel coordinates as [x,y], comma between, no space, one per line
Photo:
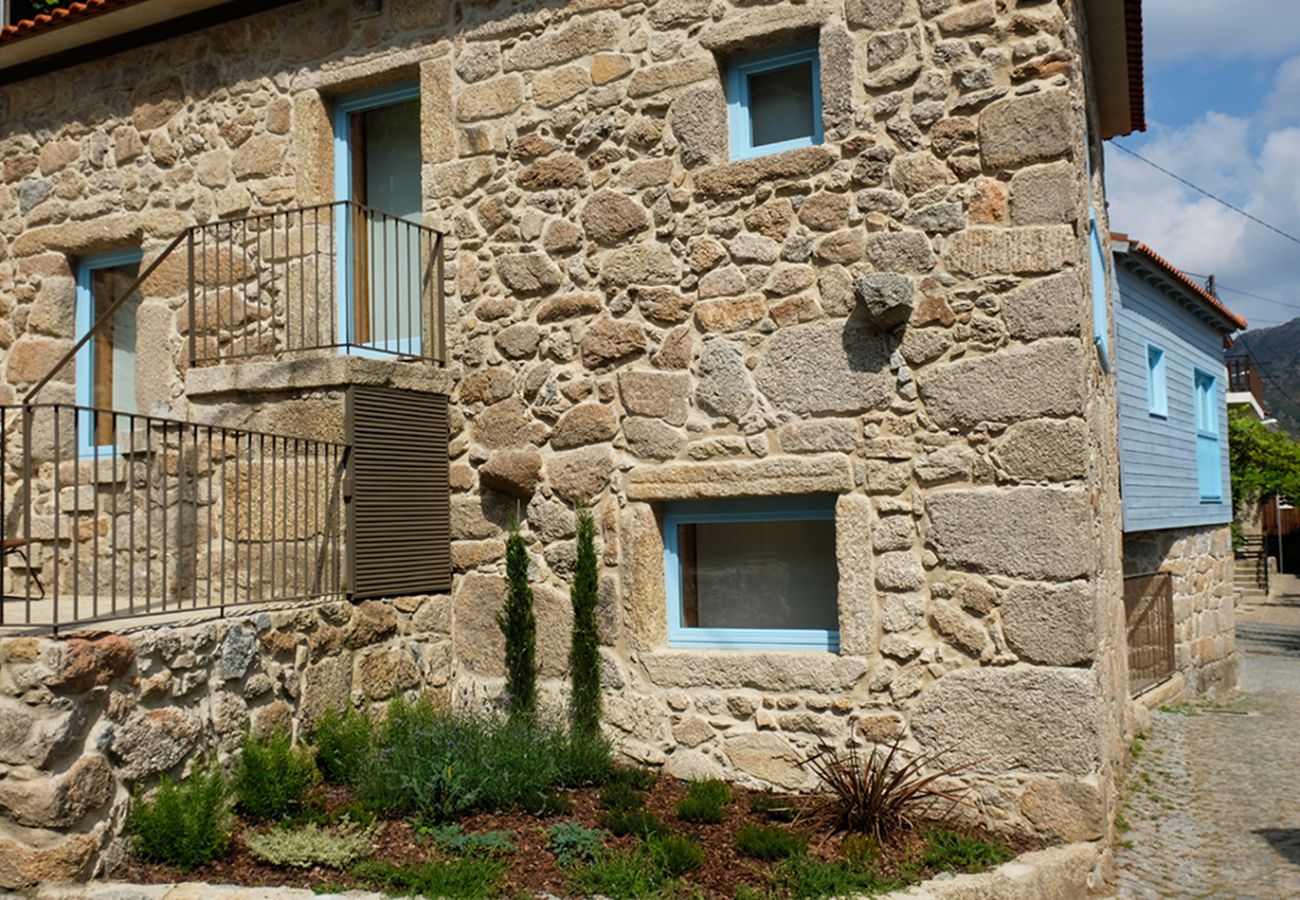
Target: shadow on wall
[1286,841]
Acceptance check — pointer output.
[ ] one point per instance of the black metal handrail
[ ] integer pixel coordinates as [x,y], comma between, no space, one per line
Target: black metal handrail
[121,515]
[250,293]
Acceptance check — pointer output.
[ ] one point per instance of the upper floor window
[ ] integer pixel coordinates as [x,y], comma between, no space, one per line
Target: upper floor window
[752,573]
[106,364]
[775,100]
[1209,465]
[1157,390]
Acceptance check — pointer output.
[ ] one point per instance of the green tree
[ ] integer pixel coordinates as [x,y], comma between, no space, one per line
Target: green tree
[584,648]
[519,625]
[1264,463]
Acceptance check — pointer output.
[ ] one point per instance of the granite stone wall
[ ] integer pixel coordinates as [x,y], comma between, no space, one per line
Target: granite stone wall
[1200,560]
[897,316]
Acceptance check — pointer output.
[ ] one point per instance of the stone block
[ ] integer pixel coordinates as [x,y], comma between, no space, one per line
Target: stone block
[652,439]
[609,342]
[611,218]
[475,634]
[740,478]
[1052,625]
[1039,533]
[552,46]
[555,87]
[886,298]
[723,388]
[655,79]
[900,251]
[826,368]
[1045,307]
[1034,128]
[639,264]
[528,273]
[58,801]
[22,866]
[154,741]
[698,118]
[1031,250]
[1065,809]
[579,475]
[1043,379]
[1045,195]
[659,395]
[513,472]
[587,423]
[767,757]
[1045,450]
[820,436]
[563,170]
[857,594]
[1017,719]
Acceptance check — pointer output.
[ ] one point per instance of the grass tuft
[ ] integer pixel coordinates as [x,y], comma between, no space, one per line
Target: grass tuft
[273,776]
[705,802]
[950,851]
[768,842]
[183,824]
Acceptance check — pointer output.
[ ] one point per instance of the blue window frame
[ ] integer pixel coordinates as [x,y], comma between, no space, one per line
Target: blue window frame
[105,365]
[1209,465]
[774,100]
[1157,385]
[383,270]
[757,573]
[1100,292]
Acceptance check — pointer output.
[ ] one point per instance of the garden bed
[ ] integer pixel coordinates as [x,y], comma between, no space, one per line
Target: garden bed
[517,826]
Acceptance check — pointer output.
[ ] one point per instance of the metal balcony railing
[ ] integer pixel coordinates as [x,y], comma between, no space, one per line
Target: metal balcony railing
[110,515]
[1244,379]
[333,276]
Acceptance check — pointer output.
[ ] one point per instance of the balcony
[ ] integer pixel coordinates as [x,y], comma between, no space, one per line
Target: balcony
[111,513]
[1245,386]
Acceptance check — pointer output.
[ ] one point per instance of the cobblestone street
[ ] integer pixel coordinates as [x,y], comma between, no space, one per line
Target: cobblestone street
[1214,799]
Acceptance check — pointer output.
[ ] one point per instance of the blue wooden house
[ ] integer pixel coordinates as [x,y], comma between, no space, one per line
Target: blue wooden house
[1173,447]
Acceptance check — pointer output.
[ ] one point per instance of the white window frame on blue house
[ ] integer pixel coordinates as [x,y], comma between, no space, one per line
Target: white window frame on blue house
[1209,463]
[1157,381]
[85,360]
[344,107]
[751,509]
[739,70]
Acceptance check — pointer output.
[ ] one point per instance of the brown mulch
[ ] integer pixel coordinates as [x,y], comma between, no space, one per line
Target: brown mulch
[532,867]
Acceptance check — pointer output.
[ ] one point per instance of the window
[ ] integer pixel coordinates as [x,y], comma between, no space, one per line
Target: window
[1209,466]
[106,364]
[1100,292]
[377,164]
[775,100]
[1157,393]
[757,573]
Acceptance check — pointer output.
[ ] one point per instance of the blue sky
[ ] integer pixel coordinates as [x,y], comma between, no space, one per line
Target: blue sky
[1223,111]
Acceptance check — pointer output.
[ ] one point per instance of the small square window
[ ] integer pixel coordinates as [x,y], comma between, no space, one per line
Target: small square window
[1157,393]
[758,573]
[775,100]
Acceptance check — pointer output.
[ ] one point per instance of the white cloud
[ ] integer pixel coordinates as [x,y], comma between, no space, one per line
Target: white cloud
[1220,29]
[1200,235]
[1284,100]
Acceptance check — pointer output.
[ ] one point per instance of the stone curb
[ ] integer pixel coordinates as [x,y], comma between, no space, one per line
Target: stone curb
[1059,873]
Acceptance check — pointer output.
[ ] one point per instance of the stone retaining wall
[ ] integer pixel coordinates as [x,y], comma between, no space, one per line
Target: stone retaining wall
[1201,563]
[85,720]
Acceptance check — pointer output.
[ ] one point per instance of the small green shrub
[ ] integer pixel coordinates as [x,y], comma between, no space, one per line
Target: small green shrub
[635,777]
[554,804]
[455,839]
[705,802]
[273,776]
[438,765]
[625,875]
[951,851]
[353,811]
[638,822]
[768,842]
[806,876]
[571,843]
[619,796]
[773,806]
[469,878]
[309,846]
[343,744]
[184,824]
[862,850]
[585,759]
[674,855]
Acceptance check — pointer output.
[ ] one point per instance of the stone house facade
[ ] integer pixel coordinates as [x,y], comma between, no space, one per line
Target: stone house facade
[888,332]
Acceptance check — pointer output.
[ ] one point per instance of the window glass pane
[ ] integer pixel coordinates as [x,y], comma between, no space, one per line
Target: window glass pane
[759,575]
[113,349]
[781,104]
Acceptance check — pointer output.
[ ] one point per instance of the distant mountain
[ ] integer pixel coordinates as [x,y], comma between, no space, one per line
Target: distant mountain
[1276,352]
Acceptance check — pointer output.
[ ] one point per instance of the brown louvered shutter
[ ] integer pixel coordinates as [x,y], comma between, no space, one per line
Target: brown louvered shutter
[399,530]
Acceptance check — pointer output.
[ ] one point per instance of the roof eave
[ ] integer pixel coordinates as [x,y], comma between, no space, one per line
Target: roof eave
[1115,49]
[1194,293]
